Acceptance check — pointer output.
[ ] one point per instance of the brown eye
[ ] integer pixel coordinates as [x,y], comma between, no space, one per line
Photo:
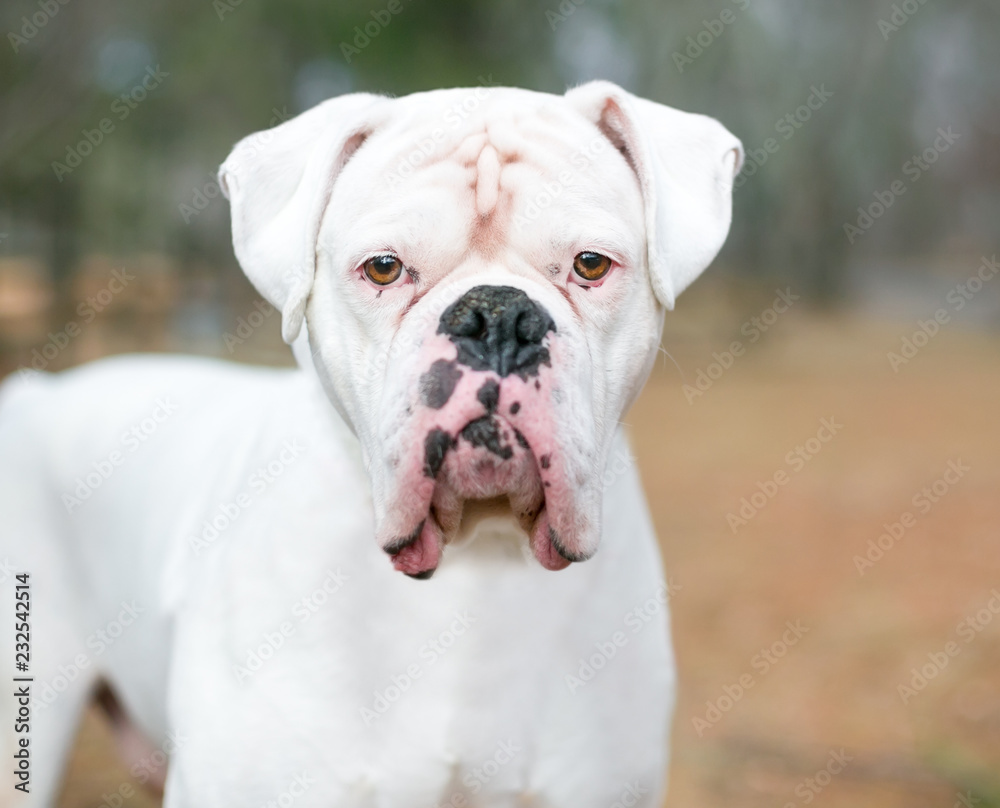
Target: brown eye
[591,266]
[383,269]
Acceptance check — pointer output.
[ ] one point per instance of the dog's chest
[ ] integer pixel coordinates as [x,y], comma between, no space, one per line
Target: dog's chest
[458,693]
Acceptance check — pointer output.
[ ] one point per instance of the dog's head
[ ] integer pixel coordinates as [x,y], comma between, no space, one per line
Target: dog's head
[482,274]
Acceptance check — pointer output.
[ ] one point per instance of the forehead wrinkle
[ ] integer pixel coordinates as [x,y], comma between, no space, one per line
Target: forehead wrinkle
[489,222]
[468,149]
[423,147]
[542,135]
[521,151]
[487,180]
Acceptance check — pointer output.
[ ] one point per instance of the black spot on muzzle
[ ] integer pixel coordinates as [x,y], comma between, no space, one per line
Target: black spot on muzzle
[485,432]
[438,383]
[436,446]
[489,395]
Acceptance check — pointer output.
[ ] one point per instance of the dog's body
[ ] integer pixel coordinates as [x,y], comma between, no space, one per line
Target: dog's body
[199,535]
[482,654]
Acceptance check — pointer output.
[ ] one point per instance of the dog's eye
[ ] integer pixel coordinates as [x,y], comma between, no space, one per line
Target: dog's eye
[591,266]
[383,269]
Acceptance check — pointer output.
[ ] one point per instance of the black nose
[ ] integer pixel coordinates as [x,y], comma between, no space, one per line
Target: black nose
[498,328]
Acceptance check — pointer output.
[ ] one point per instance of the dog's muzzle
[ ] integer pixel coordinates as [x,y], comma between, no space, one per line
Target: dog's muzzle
[487,431]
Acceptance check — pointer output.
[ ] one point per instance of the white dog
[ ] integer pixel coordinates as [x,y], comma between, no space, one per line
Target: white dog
[475,280]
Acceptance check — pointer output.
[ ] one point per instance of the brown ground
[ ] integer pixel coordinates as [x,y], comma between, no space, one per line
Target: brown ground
[836,688]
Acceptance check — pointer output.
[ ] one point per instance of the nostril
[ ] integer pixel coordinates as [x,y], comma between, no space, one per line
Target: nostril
[530,328]
[471,323]
[482,326]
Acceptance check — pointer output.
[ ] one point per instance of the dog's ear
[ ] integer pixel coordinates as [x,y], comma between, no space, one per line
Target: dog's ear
[686,165]
[278,183]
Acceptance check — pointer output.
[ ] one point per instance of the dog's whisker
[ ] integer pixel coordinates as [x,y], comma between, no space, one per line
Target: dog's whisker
[666,353]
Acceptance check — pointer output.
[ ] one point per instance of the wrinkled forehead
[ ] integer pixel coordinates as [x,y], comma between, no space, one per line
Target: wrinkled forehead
[534,129]
[493,154]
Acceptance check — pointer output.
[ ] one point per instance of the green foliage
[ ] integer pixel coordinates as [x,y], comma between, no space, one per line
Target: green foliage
[236,68]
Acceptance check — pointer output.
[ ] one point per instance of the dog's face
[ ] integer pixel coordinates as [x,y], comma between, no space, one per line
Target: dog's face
[483,275]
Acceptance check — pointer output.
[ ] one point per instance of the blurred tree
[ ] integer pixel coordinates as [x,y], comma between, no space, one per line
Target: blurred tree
[230,67]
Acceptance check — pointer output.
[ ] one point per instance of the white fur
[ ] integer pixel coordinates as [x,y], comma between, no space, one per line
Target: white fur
[311,199]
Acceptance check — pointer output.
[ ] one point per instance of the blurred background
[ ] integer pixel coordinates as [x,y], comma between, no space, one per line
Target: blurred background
[820,444]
